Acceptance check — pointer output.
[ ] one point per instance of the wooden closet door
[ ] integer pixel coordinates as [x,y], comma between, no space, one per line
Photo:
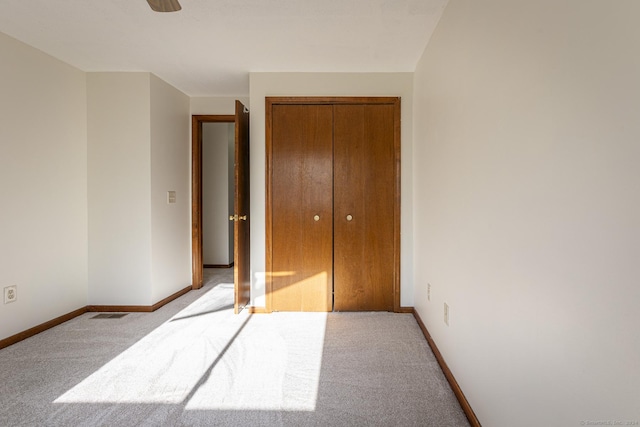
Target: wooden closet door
[364,197]
[302,207]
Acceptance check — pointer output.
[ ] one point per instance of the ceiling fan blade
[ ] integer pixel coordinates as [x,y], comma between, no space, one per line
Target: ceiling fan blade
[164,5]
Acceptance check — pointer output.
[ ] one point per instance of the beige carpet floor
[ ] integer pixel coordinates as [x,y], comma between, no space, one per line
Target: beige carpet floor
[195,363]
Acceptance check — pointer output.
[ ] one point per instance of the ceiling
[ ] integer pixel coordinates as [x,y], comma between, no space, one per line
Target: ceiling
[210,46]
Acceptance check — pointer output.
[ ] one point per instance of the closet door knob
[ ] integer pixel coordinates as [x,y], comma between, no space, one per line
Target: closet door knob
[316,218]
[349,217]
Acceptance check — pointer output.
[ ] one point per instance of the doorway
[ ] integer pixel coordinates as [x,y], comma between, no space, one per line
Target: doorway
[218,152]
[240,213]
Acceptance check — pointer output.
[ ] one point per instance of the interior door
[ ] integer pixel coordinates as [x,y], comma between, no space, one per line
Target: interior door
[364,207]
[301,208]
[241,229]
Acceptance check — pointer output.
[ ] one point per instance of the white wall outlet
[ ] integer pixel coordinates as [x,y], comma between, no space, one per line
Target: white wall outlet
[446,314]
[171,197]
[10,294]
[428,291]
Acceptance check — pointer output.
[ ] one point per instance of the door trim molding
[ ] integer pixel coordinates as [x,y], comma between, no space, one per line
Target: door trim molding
[332,100]
[196,191]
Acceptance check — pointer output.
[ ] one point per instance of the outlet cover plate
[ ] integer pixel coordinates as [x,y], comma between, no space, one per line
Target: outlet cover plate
[446,314]
[10,294]
[171,197]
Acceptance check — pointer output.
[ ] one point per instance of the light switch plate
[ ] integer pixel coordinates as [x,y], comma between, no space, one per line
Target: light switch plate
[171,197]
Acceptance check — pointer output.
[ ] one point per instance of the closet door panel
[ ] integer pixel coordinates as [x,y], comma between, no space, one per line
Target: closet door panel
[364,182]
[302,207]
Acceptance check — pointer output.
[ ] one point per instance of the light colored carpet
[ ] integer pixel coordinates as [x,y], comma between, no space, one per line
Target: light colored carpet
[195,363]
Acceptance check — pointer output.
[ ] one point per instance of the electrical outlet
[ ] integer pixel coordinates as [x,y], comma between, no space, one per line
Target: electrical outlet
[10,294]
[446,314]
[428,291]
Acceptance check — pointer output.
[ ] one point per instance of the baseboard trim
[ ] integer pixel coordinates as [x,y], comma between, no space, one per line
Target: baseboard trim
[217,265]
[120,308]
[170,298]
[137,308]
[468,411]
[263,310]
[6,342]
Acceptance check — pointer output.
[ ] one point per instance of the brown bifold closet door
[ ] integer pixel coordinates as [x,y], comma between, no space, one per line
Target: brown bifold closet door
[364,209]
[302,207]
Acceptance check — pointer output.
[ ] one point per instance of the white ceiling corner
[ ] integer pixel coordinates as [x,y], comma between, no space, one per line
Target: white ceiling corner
[210,46]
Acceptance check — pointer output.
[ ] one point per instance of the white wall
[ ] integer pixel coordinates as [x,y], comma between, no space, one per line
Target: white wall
[138,138]
[216,105]
[119,188]
[527,209]
[43,185]
[326,84]
[170,165]
[216,193]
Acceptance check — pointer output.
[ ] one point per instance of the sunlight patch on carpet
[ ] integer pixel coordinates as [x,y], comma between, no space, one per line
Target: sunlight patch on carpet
[207,358]
[165,365]
[276,366]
